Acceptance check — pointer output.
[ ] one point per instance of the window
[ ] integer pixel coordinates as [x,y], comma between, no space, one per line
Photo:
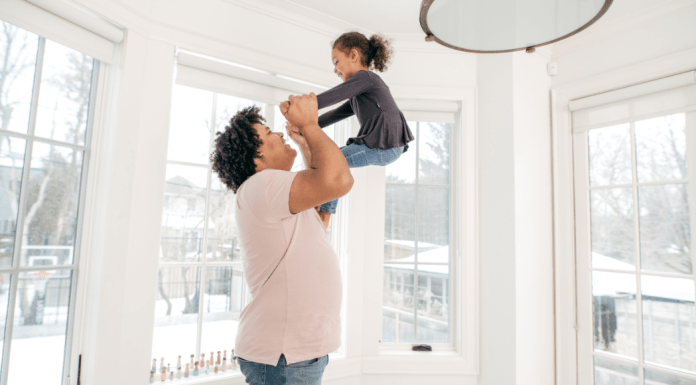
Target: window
[46,96]
[417,254]
[201,289]
[634,182]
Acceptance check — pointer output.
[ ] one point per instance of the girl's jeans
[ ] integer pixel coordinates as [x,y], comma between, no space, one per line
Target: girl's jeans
[300,373]
[359,155]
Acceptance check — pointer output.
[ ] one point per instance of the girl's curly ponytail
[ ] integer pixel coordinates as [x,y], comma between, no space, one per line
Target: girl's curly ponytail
[380,52]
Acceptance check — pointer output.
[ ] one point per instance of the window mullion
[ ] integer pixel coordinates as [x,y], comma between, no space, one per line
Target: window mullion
[415,243]
[690,122]
[17,252]
[636,229]
[86,155]
[201,289]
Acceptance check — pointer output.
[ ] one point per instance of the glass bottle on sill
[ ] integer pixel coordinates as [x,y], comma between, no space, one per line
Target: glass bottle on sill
[164,374]
[152,376]
[234,363]
[218,358]
[195,371]
[224,364]
[186,373]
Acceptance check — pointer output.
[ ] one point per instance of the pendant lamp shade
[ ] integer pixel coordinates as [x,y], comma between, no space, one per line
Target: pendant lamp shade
[496,26]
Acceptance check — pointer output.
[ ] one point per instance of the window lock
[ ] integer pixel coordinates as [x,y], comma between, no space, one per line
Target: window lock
[422,348]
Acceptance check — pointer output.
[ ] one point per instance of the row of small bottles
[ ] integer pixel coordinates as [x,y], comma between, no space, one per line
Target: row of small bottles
[197,367]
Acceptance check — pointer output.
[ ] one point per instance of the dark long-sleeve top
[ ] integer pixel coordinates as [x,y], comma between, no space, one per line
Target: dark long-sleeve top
[382,124]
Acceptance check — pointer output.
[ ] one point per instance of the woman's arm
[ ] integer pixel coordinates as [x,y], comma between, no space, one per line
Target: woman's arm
[357,84]
[336,115]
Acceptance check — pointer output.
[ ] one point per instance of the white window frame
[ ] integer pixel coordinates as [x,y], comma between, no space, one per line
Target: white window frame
[462,357]
[453,226]
[206,75]
[586,351]
[71,354]
[564,222]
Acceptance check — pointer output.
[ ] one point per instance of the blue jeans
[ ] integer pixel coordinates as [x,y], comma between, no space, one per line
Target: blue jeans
[306,372]
[359,155]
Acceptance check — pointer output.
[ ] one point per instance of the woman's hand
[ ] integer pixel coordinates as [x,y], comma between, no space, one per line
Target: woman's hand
[295,135]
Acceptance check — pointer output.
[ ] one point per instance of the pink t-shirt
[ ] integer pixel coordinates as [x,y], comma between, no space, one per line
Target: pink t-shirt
[297,312]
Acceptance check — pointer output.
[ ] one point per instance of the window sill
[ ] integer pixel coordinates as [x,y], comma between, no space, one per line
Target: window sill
[443,362]
[229,377]
[407,352]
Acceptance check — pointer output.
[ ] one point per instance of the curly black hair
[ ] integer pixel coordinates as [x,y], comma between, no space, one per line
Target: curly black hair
[375,51]
[236,148]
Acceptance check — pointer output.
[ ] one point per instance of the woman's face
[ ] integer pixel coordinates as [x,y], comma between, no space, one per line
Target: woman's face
[345,65]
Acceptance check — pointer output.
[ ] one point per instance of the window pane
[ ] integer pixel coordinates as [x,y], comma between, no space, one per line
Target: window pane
[610,372]
[40,324]
[183,214]
[228,106]
[190,126]
[653,377]
[433,220]
[614,313]
[5,280]
[11,167]
[433,303]
[66,80]
[404,169]
[610,155]
[611,217]
[176,313]
[18,50]
[668,322]
[434,152]
[661,148]
[50,216]
[398,300]
[222,226]
[665,231]
[223,301]
[399,222]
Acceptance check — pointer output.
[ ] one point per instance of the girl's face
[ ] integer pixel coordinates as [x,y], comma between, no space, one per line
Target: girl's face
[346,65]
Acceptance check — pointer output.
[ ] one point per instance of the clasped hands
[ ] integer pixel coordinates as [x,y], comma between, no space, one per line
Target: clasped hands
[300,112]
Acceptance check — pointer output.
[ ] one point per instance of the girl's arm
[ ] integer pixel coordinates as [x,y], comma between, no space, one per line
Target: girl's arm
[357,84]
[336,115]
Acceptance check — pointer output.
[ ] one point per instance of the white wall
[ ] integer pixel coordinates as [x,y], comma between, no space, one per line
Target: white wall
[533,221]
[640,35]
[517,345]
[497,219]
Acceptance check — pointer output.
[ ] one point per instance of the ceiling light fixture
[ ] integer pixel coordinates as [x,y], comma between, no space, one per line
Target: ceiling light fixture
[497,26]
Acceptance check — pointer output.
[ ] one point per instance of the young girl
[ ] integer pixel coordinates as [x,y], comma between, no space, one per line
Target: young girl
[384,133]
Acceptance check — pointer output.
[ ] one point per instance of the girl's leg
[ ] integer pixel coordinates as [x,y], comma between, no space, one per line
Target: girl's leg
[359,155]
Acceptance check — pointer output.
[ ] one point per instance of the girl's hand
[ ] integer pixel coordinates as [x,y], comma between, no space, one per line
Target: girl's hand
[295,135]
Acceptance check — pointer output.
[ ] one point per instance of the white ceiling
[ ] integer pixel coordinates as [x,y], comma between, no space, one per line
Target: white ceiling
[386,16]
[402,16]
